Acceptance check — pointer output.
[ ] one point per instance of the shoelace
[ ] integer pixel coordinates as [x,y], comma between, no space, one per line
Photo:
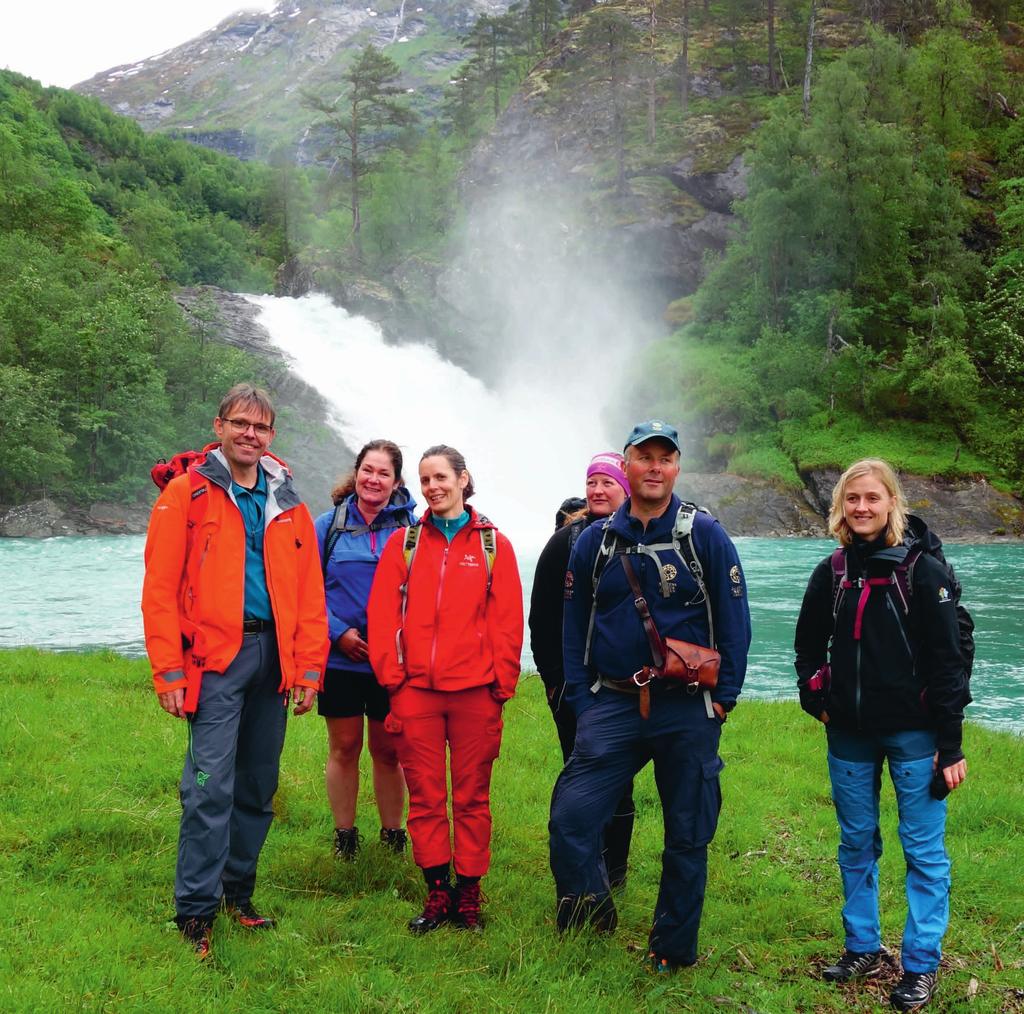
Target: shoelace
[437,903]
[469,900]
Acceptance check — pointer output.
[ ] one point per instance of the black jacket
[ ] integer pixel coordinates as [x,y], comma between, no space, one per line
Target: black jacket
[547,600]
[906,672]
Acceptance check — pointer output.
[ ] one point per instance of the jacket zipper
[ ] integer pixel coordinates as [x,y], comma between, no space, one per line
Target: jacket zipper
[899,624]
[437,610]
[857,688]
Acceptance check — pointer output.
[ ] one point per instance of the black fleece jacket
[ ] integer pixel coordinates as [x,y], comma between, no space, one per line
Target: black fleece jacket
[546,601]
[906,671]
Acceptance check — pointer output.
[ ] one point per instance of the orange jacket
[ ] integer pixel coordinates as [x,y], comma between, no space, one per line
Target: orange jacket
[197,596]
[456,635]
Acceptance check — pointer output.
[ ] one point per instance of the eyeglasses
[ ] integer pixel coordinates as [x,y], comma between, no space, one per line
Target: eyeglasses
[241,425]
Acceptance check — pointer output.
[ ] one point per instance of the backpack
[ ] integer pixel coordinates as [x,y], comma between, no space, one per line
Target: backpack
[186,463]
[902,581]
[340,524]
[682,544]
[488,543]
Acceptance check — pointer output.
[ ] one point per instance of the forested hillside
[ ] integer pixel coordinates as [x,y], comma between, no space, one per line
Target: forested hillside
[873,298]
[99,374]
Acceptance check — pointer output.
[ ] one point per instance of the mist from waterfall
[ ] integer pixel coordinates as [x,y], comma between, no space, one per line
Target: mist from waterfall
[549,328]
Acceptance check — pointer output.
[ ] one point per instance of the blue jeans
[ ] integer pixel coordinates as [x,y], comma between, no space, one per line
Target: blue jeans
[612,744]
[855,766]
[229,780]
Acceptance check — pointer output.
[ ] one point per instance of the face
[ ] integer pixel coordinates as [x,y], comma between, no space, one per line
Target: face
[242,444]
[867,505]
[652,469]
[442,487]
[375,480]
[604,495]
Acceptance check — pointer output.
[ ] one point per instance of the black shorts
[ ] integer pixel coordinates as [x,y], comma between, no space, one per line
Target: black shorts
[349,694]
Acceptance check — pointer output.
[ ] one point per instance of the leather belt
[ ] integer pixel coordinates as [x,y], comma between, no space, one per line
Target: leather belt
[641,690]
[256,626]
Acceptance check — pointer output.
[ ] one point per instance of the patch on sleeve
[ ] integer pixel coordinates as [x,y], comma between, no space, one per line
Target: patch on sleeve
[944,595]
[736,580]
[568,585]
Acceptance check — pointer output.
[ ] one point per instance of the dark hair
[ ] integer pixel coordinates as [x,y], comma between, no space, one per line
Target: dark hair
[457,462]
[248,397]
[347,483]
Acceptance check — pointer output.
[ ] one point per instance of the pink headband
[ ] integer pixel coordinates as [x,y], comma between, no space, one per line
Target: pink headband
[611,464]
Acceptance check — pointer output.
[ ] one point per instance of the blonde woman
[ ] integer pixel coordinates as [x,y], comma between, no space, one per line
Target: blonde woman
[879,664]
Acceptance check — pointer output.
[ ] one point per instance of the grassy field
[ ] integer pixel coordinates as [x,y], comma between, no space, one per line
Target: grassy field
[88,826]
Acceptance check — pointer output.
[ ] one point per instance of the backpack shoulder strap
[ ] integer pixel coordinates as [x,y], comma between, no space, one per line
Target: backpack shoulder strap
[903,578]
[840,581]
[604,553]
[410,541]
[489,545]
[334,532]
[682,536]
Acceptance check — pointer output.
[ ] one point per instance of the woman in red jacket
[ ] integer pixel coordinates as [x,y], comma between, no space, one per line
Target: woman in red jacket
[445,625]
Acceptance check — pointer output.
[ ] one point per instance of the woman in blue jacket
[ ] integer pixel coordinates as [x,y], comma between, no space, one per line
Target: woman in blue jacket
[370,503]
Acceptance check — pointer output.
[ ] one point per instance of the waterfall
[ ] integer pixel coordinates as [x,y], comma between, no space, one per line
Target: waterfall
[527,444]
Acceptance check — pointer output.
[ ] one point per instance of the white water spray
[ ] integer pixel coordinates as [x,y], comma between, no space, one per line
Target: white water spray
[527,445]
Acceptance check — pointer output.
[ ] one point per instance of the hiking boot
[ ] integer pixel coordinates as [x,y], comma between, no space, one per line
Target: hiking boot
[245,915]
[661,964]
[853,965]
[394,839]
[914,990]
[574,912]
[436,912]
[195,930]
[346,842]
[467,907]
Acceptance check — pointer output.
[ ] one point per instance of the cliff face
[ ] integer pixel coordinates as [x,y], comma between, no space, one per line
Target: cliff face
[237,87]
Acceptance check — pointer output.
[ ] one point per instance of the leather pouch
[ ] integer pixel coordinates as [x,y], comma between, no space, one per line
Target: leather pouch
[692,664]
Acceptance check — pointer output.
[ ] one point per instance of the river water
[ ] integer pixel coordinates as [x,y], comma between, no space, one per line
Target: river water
[83,593]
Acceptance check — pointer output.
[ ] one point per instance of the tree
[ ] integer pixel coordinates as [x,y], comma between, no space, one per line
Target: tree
[809,64]
[773,77]
[492,42]
[359,121]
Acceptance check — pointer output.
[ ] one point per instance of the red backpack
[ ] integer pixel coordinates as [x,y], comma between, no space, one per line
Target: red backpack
[187,463]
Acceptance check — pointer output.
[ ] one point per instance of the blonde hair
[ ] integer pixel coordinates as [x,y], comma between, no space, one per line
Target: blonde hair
[897,523]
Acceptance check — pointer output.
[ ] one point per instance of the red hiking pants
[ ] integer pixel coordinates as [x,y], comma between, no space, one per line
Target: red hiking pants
[467,723]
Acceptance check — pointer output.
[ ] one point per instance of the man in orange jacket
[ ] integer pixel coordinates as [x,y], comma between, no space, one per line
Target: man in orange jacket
[235,622]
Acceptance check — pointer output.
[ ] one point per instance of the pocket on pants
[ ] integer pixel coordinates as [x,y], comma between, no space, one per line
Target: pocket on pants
[709,801]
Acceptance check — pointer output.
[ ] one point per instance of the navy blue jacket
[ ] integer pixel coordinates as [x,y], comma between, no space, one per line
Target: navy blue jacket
[349,573]
[619,646]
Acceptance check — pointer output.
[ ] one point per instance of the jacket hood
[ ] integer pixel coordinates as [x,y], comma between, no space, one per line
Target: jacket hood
[401,500]
[918,533]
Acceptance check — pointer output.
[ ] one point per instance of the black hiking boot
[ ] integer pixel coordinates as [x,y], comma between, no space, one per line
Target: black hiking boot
[346,842]
[914,990]
[466,915]
[394,839]
[436,912]
[245,915]
[195,930]
[575,912]
[853,965]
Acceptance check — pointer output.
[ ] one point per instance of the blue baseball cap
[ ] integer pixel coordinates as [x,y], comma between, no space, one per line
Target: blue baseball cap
[651,429]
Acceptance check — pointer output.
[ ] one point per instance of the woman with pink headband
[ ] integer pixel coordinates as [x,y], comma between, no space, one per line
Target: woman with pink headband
[606,490]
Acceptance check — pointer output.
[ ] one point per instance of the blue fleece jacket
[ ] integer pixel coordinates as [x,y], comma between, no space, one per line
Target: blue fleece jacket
[619,646]
[349,572]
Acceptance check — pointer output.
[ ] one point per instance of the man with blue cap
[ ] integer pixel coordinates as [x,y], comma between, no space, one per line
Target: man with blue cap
[658,568]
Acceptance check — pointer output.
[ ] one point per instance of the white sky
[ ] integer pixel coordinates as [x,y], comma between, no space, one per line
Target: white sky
[62,42]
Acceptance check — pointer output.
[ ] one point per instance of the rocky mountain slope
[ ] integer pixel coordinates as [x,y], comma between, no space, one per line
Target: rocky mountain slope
[238,87]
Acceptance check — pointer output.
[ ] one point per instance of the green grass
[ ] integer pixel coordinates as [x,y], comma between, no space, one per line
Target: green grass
[88,826]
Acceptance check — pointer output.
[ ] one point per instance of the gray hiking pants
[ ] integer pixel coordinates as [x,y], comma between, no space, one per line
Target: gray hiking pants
[229,780]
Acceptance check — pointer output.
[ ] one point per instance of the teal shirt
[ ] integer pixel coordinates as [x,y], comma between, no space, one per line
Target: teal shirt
[450,527]
[253,505]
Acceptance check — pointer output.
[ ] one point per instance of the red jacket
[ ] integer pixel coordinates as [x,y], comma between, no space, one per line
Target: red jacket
[198,595]
[456,635]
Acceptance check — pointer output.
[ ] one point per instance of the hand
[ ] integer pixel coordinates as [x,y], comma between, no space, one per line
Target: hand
[304,698]
[352,646]
[823,718]
[723,715]
[954,774]
[173,701]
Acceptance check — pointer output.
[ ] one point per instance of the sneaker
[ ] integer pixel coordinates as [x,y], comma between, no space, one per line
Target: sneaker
[914,990]
[245,915]
[196,932]
[467,907]
[346,842]
[436,911]
[853,965]
[394,839]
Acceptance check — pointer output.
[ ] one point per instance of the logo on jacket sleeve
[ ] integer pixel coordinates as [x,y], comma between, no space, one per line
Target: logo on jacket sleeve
[736,578]
[944,595]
